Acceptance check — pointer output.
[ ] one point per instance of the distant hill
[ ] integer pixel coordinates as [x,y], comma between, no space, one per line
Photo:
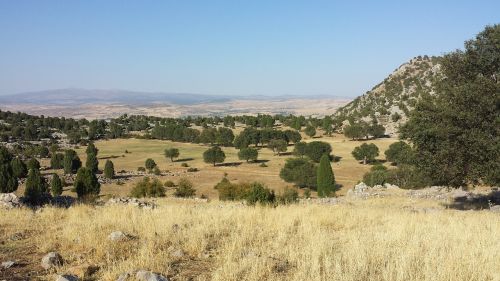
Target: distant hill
[391,100]
[74,96]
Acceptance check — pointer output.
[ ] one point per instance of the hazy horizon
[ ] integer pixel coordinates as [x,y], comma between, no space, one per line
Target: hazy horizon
[297,48]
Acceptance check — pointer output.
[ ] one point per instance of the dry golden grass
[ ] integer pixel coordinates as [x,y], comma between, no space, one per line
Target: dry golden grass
[376,239]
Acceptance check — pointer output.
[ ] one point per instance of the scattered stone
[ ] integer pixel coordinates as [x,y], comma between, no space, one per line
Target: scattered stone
[144,275]
[458,193]
[9,201]
[132,202]
[67,277]
[51,260]
[124,276]
[119,236]
[8,264]
[391,186]
[179,253]
[83,271]
[495,209]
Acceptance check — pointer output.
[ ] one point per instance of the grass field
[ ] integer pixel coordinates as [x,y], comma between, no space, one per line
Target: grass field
[376,239]
[347,171]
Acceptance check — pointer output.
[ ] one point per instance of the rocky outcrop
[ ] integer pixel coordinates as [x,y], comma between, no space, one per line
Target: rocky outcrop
[131,202]
[52,260]
[9,201]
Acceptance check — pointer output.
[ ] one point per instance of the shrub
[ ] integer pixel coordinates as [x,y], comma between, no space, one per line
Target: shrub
[71,162]
[185,188]
[169,183]
[263,165]
[232,191]
[156,171]
[141,169]
[33,164]
[172,153]
[399,153]
[185,165]
[192,170]
[150,164]
[35,187]
[148,188]
[288,196]
[57,161]
[258,193]
[307,193]
[19,169]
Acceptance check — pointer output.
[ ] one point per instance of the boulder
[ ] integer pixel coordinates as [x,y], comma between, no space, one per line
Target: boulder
[51,260]
[119,236]
[495,208]
[144,275]
[9,201]
[8,264]
[124,276]
[67,277]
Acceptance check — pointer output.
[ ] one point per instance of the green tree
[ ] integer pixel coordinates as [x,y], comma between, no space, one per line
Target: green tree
[399,153]
[92,163]
[225,136]
[300,172]
[378,175]
[71,162]
[277,146]
[19,169]
[91,149]
[214,155]
[292,136]
[184,188]
[109,169]
[365,152]
[355,131]
[300,149]
[310,131]
[258,193]
[150,164]
[57,161]
[35,187]
[208,136]
[316,149]
[172,153]
[56,186]
[456,133]
[248,154]
[33,164]
[376,130]
[325,177]
[8,182]
[86,184]
[148,188]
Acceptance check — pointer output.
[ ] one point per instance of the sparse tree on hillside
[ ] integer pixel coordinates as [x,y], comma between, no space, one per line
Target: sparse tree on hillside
[325,177]
[150,164]
[56,185]
[310,131]
[8,182]
[71,162]
[92,163]
[19,169]
[184,188]
[172,153]
[300,149]
[33,164]
[214,155]
[365,152]
[86,184]
[248,154]
[109,169]
[35,187]
[277,146]
[316,149]
[399,153]
[57,161]
[299,171]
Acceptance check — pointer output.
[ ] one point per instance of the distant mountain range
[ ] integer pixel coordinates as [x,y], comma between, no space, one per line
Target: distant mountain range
[77,96]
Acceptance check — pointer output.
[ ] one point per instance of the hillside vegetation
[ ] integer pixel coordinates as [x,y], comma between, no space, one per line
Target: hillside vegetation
[391,101]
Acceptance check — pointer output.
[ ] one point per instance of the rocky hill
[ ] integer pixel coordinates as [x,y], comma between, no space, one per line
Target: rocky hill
[391,100]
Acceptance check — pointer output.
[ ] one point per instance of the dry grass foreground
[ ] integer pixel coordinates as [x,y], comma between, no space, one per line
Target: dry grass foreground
[376,239]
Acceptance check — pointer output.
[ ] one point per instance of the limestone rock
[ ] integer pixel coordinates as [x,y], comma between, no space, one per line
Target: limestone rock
[51,260]
[144,275]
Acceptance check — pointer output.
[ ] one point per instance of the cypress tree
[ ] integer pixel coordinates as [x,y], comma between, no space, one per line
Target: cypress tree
[56,185]
[91,149]
[109,169]
[8,181]
[325,177]
[71,162]
[35,187]
[19,168]
[33,164]
[86,183]
[92,163]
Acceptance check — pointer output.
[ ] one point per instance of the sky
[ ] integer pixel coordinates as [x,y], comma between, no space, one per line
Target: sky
[272,47]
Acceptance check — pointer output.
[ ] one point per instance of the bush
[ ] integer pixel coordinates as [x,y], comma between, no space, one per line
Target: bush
[185,189]
[148,188]
[192,170]
[263,165]
[56,186]
[399,153]
[185,165]
[141,169]
[299,171]
[156,171]
[171,153]
[86,184]
[109,169]
[169,183]
[307,193]
[288,196]
[232,191]
[35,187]
[57,161]
[150,164]
[258,193]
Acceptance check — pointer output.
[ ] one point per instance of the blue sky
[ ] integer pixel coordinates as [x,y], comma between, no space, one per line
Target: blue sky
[339,48]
